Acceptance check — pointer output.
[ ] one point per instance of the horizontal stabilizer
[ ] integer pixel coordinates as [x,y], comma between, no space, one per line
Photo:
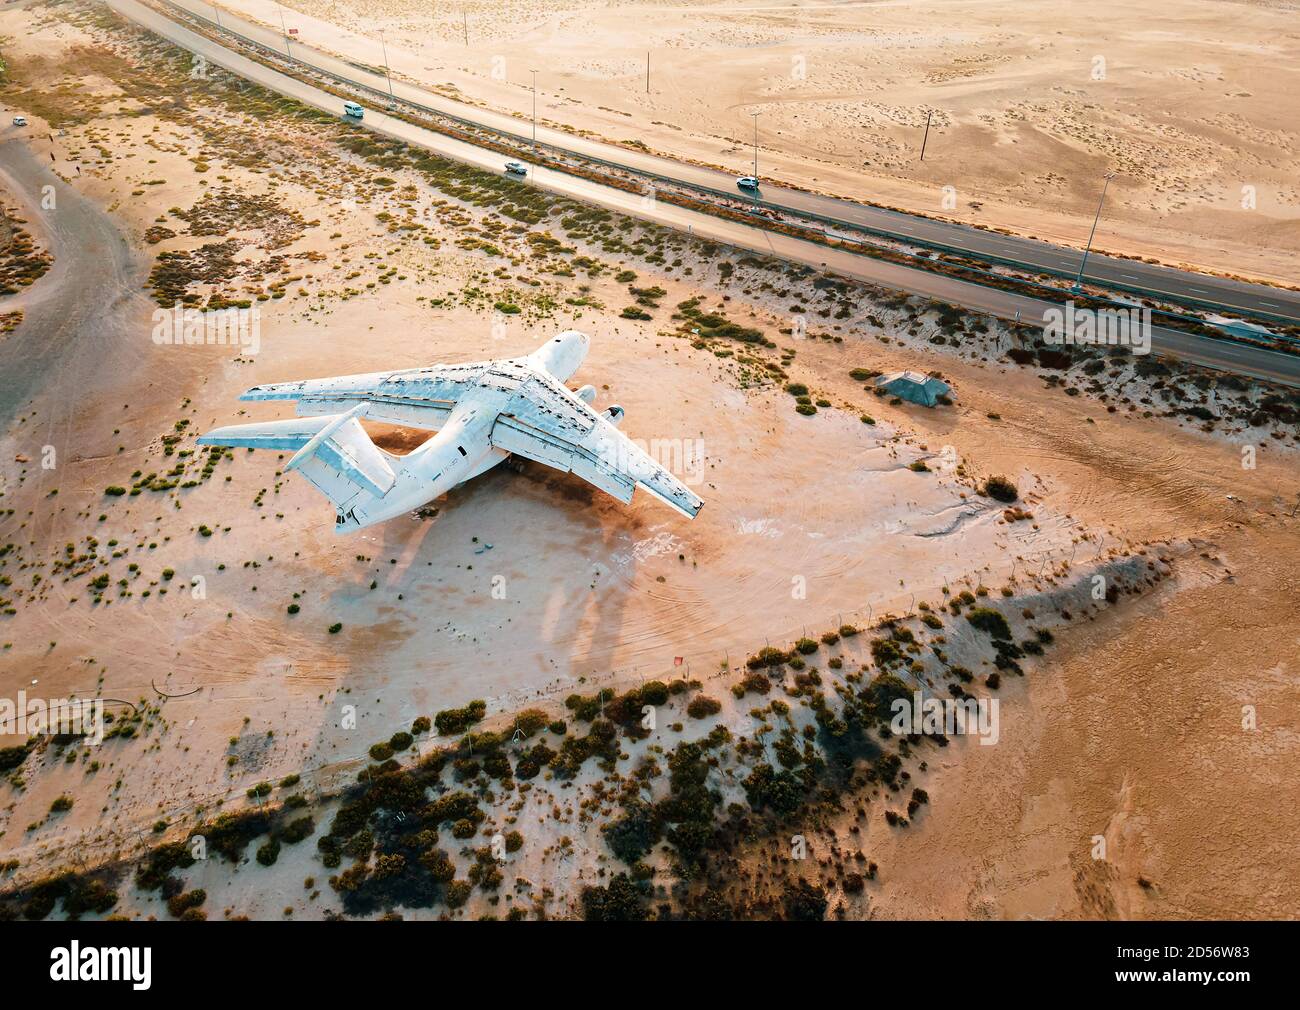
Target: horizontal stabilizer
[291,434]
[335,443]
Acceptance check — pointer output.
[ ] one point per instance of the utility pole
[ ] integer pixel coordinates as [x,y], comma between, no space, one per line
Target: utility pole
[286,32]
[1088,248]
[465,18]
[387,72]
[534,73]
[217,12]
[647,72]
[928,115]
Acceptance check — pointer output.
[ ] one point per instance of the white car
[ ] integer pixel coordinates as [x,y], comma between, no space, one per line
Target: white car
[20,120]
[516,168]
[747,182]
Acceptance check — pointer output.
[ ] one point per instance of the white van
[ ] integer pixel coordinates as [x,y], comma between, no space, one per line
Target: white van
[353,109]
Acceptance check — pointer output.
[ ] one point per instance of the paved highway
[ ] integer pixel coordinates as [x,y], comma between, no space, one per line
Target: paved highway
[1220,354]
[1190,288]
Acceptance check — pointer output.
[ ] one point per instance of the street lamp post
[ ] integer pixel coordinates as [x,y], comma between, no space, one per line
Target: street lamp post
[387,72]
[755,115]
[1088,248]
[534,73]
[217,12]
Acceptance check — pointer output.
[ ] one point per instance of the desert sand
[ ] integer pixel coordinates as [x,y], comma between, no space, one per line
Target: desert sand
[1030,104]
[811,522]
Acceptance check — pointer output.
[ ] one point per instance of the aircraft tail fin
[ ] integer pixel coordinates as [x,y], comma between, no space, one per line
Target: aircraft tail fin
[333,452]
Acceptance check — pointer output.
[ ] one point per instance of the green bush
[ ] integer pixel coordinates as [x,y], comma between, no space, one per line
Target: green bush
[991,622]
[269,852]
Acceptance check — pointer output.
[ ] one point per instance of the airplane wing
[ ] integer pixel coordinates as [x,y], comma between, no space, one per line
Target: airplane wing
[416,398]
[545,422]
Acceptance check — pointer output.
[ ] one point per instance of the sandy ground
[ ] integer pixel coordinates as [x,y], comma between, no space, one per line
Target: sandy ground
[1031,104]
[810,522]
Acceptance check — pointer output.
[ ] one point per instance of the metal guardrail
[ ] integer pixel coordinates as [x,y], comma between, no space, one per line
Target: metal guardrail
[825,221]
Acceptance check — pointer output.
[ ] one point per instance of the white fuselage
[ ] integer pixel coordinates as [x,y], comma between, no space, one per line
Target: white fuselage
[462,448]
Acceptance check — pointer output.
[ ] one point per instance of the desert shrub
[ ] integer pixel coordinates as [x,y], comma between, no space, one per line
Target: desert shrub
[269,852]
[635,833]
[457,893]
[360,845]
[782,791]
[439,865]
[766,657]
[991,622]
[457,720]
[882,692]
[531,720]
[400,741]
[620,901]
[803,902]
[178,904]
[1001,489]
[886,652]
[807,646]
[160,862]
[702,706]
[299,829]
